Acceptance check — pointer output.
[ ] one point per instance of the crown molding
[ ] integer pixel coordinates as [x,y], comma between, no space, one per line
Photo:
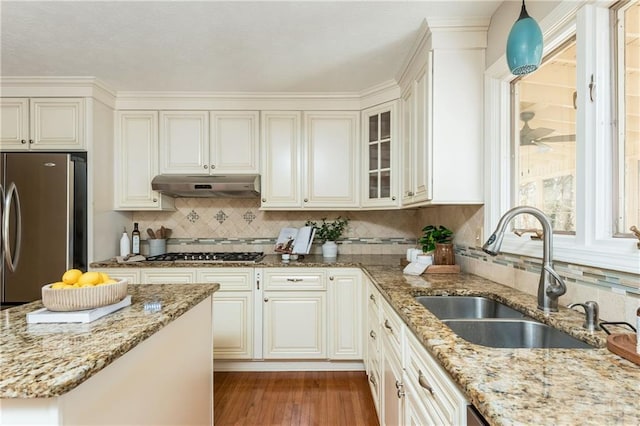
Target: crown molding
[34,86]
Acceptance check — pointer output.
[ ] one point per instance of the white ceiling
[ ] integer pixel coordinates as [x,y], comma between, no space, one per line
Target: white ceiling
[221,46]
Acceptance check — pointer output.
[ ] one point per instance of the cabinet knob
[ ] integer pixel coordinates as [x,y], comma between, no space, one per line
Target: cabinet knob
[372,334]
[306,200]
[409,193]
[206,166]
[393,198]
[400,389]
[213,166]
[373,381]
[23,141]
[331,278]
[30,140]
[155,200]
[264,200]
[266,299]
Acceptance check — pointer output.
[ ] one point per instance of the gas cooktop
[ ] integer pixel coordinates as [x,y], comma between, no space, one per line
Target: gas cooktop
[209,257]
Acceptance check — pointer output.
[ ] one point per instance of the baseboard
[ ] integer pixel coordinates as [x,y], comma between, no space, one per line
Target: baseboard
[288,365]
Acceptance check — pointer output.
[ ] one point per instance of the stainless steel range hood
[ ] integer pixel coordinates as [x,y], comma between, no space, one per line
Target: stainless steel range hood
[227,186]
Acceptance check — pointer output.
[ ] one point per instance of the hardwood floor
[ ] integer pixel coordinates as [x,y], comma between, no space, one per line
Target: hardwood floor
[293,398]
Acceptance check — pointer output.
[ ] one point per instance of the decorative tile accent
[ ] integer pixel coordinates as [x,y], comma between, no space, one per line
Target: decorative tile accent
[193,216]
[221,216]
[249,216]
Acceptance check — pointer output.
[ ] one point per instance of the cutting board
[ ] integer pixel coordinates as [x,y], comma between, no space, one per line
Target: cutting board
[624,345]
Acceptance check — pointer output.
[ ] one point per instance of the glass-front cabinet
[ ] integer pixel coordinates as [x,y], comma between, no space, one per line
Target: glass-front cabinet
[381,153]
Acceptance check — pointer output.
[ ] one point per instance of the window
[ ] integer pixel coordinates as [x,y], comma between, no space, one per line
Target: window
[544,143]
[627,73]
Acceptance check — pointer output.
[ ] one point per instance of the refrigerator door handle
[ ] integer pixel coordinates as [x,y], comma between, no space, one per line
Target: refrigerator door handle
[12,258]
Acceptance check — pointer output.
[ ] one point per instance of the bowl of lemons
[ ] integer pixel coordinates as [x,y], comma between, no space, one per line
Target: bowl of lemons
[77,291]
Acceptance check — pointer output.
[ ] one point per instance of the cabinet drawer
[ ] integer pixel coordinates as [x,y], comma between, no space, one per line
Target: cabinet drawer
[168,276]
[391,327]
[432,384]
[230,279]
[297,280]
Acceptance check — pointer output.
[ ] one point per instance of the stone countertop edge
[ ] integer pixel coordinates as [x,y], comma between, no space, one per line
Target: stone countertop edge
[49,360]
[507,386]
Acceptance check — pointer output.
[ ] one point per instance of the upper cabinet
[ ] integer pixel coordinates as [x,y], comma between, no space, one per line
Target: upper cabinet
[203,142]
[380,156]
[42,124]
[316,168]
[442,106]
[136,155]
[331,159]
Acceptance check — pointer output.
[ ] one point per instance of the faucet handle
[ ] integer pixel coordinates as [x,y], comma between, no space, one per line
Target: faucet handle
[538,234]
[591,310]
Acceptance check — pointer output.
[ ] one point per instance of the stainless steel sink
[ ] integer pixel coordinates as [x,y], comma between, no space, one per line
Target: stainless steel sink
[513,333]
[449,307]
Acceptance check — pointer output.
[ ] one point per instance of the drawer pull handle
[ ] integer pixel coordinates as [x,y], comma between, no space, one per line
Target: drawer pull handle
[388,326]
[372,334]
[423,382]
[372,297]
[294,280]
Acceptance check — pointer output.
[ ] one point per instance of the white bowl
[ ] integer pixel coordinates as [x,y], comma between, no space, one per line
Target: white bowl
[78,299]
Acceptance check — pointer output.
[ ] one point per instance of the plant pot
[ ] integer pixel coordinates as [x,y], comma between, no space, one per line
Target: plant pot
[330,249]
[444,255]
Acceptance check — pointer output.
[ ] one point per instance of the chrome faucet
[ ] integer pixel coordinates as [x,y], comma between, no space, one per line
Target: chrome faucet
[550,286]
[591,311]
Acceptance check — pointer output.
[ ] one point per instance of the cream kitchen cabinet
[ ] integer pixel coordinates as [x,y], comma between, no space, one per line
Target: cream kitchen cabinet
[331,154]
[42,124]
[294,314]
[374,346]
[131,274]
[233,311]
[393,392]
[380,156]
[203,142]
[322,171]
[416,182]
[281,159]
[345,319]
[136,153]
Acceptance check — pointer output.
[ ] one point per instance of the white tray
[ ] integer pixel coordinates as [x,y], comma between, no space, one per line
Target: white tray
[46,316]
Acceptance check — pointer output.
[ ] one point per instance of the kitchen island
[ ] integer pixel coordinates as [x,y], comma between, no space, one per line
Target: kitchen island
[148,363]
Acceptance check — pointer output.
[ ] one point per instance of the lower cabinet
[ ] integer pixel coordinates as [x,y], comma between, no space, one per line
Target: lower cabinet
[294,314]
[345,323]
[393,393]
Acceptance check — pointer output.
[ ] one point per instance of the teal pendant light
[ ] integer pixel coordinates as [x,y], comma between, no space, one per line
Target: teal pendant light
[524,45]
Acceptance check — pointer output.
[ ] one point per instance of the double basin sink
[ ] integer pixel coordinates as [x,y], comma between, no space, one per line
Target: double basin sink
[486,322]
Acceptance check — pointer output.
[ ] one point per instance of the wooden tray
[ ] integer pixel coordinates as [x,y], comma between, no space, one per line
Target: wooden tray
[624,345]
[443,269]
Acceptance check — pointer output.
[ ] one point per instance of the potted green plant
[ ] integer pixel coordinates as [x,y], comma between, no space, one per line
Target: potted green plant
[329,233]
[438,239]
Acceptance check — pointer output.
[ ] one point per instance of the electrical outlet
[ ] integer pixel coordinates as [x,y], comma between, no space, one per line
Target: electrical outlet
[479,236]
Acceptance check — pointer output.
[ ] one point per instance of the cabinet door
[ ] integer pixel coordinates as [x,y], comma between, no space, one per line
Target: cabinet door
[345,314]
[281,154]
[136,153]
[421,154]
[408,138]
[294,325]
[234,142]
[168,276]
[380,152]
[184,142]
[392,388]
[57,123]
[233,311]
[14,124]
[132,275]
[331,159]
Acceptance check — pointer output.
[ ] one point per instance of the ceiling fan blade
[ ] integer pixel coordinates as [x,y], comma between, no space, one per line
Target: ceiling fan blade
[538,133]
[558,138]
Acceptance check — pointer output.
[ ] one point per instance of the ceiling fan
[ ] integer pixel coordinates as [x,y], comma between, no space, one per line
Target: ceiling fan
[538,136]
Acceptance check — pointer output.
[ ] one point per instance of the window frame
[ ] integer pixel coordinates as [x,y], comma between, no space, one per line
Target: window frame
[594,243]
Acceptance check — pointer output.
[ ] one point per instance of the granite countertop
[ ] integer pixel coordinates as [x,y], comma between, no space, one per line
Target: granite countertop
[48,360]
[508,386]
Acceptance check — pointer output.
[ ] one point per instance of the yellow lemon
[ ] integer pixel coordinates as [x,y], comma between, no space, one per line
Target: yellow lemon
[91,278]
[71,276]
[104,277]
[58,284]
[109,281]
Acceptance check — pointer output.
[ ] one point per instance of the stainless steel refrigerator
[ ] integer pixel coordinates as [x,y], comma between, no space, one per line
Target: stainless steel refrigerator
[43,221]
